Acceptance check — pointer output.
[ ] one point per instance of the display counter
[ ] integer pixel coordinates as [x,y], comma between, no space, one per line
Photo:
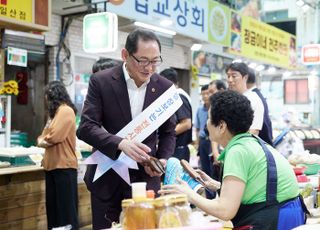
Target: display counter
[22,198]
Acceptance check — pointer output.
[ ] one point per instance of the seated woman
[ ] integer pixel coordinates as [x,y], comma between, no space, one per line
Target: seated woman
[259,189]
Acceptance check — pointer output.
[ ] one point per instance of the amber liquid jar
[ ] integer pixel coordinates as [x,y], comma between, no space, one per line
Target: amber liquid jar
[123,215]
[183,207]
[166,213]
[140,215]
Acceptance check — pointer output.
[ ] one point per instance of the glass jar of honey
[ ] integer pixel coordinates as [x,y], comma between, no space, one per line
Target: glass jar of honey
[181,203]
[167,214]
[125,204]
[140,215]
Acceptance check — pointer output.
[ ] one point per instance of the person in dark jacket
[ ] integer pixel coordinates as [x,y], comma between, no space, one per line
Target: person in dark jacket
[266,131]
[115,97]
[183,118]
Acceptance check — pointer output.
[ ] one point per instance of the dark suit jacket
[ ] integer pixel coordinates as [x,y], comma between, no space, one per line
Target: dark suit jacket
[106,111]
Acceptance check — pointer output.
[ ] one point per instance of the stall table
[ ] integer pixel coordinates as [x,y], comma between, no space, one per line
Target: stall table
[22,199]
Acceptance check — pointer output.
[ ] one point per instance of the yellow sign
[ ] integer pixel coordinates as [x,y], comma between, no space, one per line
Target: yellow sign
[218,23]
[20,10]
[260,41]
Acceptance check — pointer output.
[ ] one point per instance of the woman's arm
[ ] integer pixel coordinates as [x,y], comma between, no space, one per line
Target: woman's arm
[225,207]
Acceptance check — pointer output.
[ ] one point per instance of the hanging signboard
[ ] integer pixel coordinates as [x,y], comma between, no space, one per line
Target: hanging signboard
[16,9]
[25,14]
[208,64]
[216,23]
[100,32]
[17,57]
[194,18]
[219,24]
[310,54]
[260,41]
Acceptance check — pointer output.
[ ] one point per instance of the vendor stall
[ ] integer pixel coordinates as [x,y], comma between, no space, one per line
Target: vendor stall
[22,198]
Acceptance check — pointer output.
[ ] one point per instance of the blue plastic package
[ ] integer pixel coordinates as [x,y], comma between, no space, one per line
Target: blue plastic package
[174,170]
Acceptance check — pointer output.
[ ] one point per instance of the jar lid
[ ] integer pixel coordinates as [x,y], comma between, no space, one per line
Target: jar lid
[144,200]
[170,199]
[180,198]
[125,203]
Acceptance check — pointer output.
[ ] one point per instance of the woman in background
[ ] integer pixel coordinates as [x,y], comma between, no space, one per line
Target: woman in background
[60,162]
[259,189]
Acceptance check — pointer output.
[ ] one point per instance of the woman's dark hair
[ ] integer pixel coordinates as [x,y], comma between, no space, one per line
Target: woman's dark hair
[56,95]
[232,108]
[133,38]
[240,67]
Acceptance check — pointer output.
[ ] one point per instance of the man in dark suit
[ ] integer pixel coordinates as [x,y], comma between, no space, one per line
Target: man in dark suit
[115,96]
[183,118]
[266,131]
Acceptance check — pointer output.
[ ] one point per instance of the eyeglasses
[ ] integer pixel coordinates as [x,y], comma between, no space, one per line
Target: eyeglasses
[145,62]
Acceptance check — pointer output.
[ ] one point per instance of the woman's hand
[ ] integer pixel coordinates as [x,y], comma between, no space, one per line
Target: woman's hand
[182,188]
[43,144]
[208,181]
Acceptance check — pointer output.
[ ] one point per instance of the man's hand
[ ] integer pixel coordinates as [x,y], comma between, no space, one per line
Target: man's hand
[153,173]
[135,150]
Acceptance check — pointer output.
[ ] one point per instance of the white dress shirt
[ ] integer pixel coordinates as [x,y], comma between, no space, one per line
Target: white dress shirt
[258,109]
[136,94]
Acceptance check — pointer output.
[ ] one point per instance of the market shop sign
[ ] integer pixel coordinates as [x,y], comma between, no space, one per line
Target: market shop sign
[16,9]
[219,24]
[260,41]
[311,54]
[100,32]
[17,57]
[25,15]
[203,20]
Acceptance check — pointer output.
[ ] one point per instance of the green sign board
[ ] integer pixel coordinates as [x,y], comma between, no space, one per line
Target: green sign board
[18,57]
[100,32]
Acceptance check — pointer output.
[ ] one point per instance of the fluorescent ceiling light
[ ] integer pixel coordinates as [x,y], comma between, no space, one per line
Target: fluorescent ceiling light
[314,72]
[155,28]
[300,3]
[166,22]
[272,69]
[237,61]
[287,74]
[196,47]
[260,68]
[252,65]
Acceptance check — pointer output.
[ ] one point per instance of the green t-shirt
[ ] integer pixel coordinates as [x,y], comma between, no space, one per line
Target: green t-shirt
[244,158]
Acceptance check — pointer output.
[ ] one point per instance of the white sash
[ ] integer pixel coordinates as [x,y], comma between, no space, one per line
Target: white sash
[148,121]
